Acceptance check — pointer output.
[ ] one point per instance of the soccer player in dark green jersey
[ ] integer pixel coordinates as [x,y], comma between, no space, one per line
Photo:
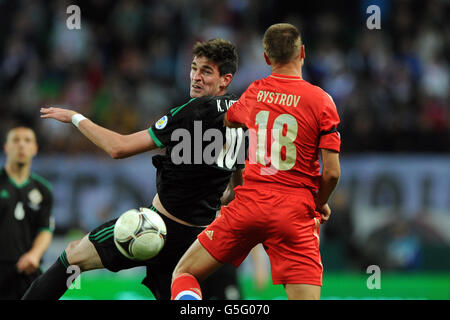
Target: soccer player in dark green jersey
[26,224]
[189,186]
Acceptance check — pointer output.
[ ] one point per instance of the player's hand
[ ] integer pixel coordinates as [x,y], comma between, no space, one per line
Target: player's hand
[325,212]
[60,114]
[28,263]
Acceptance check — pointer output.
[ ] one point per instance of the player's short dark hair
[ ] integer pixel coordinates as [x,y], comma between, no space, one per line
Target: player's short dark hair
[19,126]
[220,51]
[282,42]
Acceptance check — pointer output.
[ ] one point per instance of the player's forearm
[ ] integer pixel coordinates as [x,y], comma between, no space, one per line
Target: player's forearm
[328,183]
[236,180]
[41,243]
[107,140]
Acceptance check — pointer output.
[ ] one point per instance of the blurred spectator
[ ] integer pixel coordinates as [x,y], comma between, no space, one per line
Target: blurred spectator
[395,246]
[391,86]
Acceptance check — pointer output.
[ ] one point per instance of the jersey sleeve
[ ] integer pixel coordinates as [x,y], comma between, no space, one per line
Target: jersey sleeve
[329,120]
[239,112]
[46,220]
[161,130]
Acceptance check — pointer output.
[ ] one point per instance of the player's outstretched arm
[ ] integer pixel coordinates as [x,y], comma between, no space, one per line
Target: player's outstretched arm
[116,145]
[331,173]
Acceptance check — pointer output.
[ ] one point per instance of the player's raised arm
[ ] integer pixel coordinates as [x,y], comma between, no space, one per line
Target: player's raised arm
[116,145]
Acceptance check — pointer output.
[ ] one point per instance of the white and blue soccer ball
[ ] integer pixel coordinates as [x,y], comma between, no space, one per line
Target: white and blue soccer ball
[140,234]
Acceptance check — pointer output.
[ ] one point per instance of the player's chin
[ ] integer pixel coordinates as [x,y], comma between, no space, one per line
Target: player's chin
[22,161]
[196,93]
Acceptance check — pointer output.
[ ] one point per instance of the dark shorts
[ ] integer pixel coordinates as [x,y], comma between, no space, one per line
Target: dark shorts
[160,268]
[13,285]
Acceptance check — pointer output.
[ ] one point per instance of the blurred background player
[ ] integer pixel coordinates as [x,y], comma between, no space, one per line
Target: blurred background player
[26,224]
[185,209]
[284,197]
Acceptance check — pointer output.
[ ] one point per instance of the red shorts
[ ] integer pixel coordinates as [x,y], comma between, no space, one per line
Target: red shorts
[285,222]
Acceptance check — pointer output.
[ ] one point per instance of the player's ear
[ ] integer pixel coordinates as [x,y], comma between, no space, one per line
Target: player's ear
[302,52]
[35,144]
[226,79]
[267,59]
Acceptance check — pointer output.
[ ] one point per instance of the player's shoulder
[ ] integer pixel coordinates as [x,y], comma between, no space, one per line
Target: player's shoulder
[196,105]
[259,83]
[314,89]
[317,93]
[213,100]
[42,183]
[208,105]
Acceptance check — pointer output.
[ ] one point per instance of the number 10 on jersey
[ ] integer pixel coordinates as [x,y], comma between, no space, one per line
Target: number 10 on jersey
[284,132]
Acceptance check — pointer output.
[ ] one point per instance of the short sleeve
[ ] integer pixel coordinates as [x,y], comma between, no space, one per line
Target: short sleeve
[239,112]
[161,130]
[330,137]
[46,220]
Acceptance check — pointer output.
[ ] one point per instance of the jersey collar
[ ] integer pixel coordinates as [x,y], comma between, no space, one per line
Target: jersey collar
[14,183]
[285,77]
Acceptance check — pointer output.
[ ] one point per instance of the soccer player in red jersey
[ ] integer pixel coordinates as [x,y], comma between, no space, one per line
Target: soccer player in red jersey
[284,197]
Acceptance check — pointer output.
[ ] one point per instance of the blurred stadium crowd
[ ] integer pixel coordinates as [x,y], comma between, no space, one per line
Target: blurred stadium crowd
[129,64]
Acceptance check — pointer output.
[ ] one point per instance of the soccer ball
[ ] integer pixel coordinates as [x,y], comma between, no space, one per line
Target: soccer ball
[140,234]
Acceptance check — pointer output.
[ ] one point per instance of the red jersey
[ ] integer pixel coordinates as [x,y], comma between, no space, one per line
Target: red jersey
[289,120]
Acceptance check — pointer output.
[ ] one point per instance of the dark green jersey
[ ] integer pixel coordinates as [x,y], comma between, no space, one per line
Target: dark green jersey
[25,210]
[201,155]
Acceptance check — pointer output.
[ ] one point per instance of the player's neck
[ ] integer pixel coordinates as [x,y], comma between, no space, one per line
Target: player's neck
[289,69]
[221,92]
[18,172]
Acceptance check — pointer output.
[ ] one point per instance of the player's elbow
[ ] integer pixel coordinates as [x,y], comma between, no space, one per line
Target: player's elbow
[117,151]
[331,174]
[116,155]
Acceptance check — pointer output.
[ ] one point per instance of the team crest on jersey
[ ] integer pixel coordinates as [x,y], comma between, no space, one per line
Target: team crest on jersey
[35,198]
[161,123]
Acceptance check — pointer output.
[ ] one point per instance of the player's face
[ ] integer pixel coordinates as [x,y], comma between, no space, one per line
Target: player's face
[21,146]
[205,78]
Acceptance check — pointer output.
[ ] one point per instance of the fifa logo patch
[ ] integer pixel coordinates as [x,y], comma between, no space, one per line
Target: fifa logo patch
[209,234]
[161,123]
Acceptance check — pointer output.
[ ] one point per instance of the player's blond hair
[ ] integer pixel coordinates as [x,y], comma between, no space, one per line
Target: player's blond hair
[282,42]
